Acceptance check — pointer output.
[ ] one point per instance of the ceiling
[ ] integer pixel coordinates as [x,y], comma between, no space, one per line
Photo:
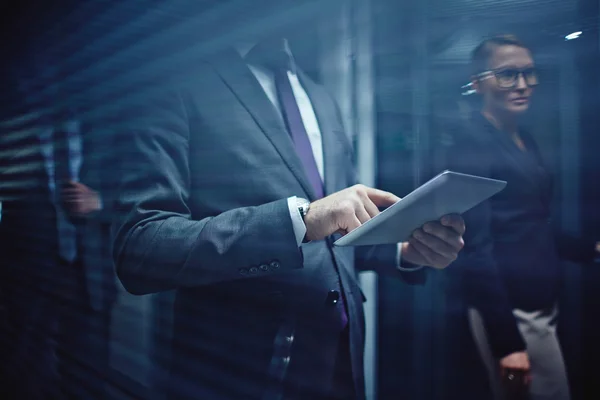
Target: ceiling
[452,28]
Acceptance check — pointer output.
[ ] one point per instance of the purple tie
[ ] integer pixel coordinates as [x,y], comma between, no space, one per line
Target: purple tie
[293,119]
[295,125]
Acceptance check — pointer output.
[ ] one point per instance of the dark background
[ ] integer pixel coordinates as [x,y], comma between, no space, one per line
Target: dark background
[421,50]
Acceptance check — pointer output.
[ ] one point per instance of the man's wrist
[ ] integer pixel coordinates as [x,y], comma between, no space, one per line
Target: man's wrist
[402,264]
[409,267]
[303,207]
[297,221]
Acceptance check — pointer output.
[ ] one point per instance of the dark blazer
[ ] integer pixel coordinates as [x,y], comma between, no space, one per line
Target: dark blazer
[29,215]
[207,167]
[511,256]
[97,172]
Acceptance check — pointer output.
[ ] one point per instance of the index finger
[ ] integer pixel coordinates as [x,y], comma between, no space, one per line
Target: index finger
[455,222]
[381,198]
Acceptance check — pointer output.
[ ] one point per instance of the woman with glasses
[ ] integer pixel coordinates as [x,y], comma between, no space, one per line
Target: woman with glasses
[509,271]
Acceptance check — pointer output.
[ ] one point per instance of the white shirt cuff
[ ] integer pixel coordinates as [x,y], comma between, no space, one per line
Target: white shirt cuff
[297,221]
[399,261]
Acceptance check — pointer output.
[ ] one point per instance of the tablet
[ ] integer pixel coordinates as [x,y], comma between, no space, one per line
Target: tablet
[447,193]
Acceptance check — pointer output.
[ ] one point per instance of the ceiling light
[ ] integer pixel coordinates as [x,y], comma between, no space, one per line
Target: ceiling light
[574,35]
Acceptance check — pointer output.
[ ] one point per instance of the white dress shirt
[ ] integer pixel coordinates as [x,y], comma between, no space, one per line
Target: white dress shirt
[266,80]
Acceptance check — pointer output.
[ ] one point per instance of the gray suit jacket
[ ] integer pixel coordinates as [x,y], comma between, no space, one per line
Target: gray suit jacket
[206,168]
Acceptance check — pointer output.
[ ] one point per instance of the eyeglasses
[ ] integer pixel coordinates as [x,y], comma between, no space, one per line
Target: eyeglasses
[507,78]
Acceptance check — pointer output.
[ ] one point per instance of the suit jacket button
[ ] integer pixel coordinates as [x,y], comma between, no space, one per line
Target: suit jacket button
[264,267]
[333,297]
[243,271]
[253,270]
[275,265]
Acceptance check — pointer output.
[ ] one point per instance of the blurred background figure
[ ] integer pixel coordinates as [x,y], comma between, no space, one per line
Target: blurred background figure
[87,288]
[511,270]
[59,285]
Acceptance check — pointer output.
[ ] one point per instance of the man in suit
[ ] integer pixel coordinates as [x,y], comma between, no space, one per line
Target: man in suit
[234,184]
[86,288]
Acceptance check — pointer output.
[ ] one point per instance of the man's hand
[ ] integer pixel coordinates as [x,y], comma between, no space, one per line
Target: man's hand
[78,199]
[435,244]
[345,210]
[516,367]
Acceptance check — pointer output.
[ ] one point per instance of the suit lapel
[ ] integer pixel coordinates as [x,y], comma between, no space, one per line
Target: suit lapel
[236,74]
[330,129]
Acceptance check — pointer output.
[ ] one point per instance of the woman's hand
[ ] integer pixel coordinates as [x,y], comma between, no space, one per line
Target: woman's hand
[515,367]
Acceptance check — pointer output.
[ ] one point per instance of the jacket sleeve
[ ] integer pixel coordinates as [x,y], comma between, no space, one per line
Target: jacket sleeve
[476,267]
[384,260]
[158,246]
